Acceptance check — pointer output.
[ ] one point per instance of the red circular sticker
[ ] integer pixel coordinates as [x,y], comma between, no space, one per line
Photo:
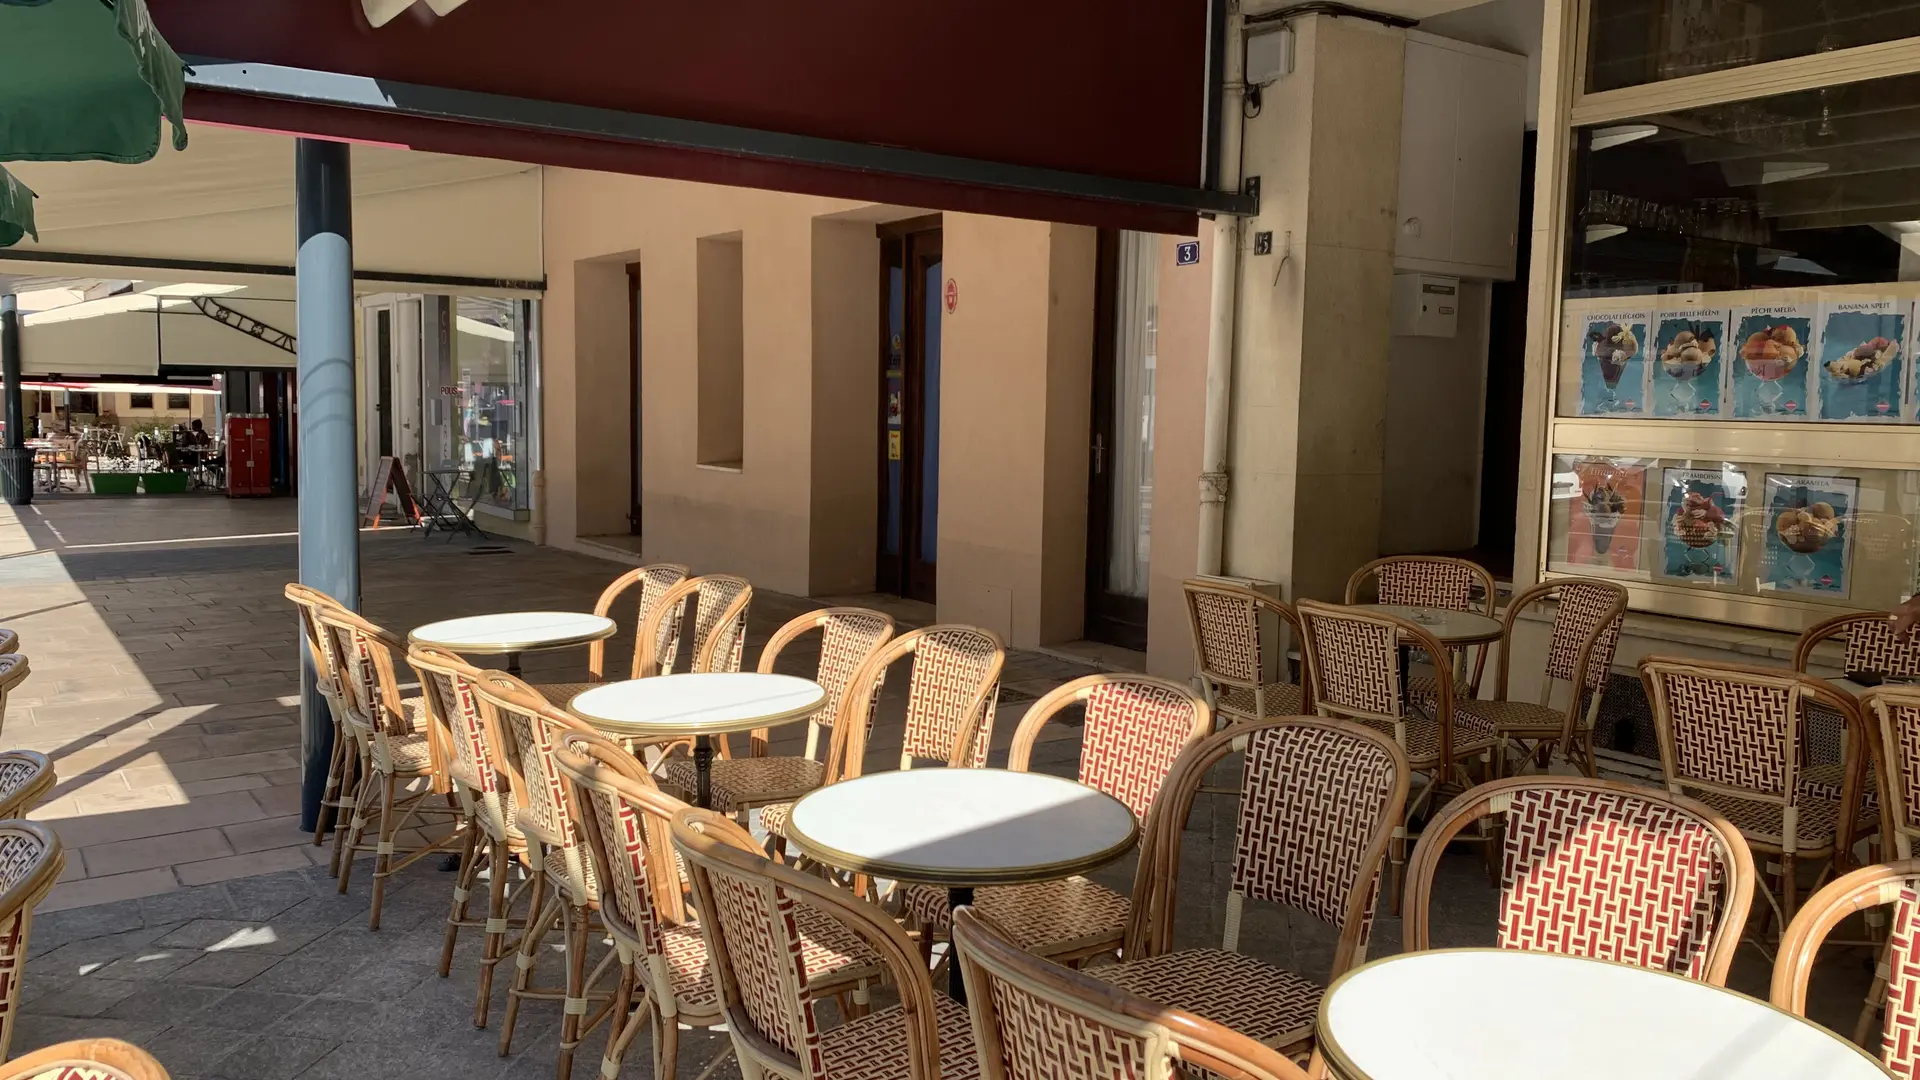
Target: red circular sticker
[953,295]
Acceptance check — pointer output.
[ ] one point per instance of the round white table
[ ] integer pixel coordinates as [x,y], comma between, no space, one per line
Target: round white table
[1447,626]
[701,705]
[1495,1014]
[511,633]
[962,828]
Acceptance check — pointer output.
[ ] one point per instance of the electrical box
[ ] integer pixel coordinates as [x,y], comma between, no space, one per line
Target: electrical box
[1426,305]
[1269,56]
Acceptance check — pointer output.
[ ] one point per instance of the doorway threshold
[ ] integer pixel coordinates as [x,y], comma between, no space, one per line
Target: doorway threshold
[1108,657]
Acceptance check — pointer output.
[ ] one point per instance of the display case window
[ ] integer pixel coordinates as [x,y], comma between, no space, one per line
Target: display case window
[491,344]
[1635,42]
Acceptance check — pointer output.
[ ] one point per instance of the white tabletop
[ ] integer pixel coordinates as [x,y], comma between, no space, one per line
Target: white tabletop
[714,703]
[1491,1014]
[514,631]
[961,827]
[1446,626]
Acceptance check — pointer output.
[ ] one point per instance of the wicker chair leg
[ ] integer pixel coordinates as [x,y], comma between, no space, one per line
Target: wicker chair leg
[356,828]
[622,1024]
[500,864]
[462,889]
[383,853]
[666,1047]
[539,921]
[331,793]
[1789,887]
[348,798]
[573,921]
[1397,856]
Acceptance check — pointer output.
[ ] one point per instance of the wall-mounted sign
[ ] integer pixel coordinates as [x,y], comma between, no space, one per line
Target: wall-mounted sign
[893,445]
[1186,253]
[450,391]
[953,295]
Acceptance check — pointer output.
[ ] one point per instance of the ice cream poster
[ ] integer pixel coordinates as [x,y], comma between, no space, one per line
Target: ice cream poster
[1604,523]
[1809,542]
[1770,364]
[1613,363]
[1686,362]
[1860,359]
[1699,524]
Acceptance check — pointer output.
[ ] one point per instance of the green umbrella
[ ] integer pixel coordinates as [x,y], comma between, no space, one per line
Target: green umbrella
[86,80]
[16,210]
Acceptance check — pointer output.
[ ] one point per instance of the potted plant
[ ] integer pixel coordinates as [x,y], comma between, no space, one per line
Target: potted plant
[167,482]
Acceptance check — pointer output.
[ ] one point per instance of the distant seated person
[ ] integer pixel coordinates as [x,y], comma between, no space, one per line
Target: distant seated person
[196,435]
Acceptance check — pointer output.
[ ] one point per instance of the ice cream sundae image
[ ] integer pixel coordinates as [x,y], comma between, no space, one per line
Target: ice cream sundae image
[1613,346]
[1772,353]
[1604,507]
[1807,529]
[1688,354]
[1870,358]
[1698,523]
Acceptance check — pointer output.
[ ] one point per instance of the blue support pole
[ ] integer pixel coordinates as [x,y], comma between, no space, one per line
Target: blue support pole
[329,486]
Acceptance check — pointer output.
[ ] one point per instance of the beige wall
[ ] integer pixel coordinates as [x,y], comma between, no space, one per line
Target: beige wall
[1436,406]
[1179,420]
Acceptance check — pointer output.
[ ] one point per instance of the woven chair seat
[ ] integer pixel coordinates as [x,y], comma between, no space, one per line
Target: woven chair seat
[1047,917]
[411,754]
[1826,782]
[556,864]
[1262,1002]
[562,692]
[1283,699]
[1763,822]
[738,783]
[774,818]
[1470,736]
[831,952]
[874,1047]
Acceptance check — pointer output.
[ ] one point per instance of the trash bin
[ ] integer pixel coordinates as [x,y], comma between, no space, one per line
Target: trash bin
[16,475]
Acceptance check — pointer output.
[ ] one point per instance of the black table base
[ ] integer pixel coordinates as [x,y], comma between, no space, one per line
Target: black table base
[957,898]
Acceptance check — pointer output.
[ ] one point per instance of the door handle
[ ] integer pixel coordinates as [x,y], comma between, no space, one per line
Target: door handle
[1099,454]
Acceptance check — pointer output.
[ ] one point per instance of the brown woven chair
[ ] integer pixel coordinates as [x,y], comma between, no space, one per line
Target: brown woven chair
[1865,890]
[397,749]
[1601,869]
[763,975]
[1586,628]
[1353,664]
[9,642]
[653,583]
[1135,727]
[849,637]
[1035,1020]
[1318,802]
[1893,712]
[1871,646]
[13,671]
[26,779]
[1229,656]
[1431,581]
[31,860]
[476,768]
[341,793]
[951,698]
[1730,738]
[85,1059]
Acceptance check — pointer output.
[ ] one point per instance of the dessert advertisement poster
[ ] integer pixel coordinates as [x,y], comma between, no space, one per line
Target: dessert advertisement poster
[1861,361]
[1686,362]
[1604,523]
[1809,535]
[1699,525]
[1770,362]
[1613,363]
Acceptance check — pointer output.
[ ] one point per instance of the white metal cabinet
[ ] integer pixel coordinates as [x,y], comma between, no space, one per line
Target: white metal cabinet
[1462,127]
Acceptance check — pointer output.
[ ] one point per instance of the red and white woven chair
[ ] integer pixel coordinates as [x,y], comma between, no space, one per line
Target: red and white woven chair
[952,692]
[1035,1020]
[752,923]
[31,860]
[1230,655]
[338,798]
[1897,981]
[85,1059]
[1135,727]
[1431,581]
[1353,665]
[653,583]
[1319,800]
[1603,870]
[1730,738]
[849,637]
[1871,647]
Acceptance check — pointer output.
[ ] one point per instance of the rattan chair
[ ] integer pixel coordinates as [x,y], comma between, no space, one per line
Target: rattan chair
[26,779]
[1871,646]
[85,1059]
[397,750]
[653,582]
[1353,665]
[664,974]
[1135,727]
[763,976]
[1865,890]
[31,860]
[849,637]
[1229,657]
[1730,737]
[476,768]
[1035,1020]
[341,793]
[1431,581]
[1318,803]
[1586,628]
[13,671]
[9,641]
[1893,715]
[952,693]
[1601,869]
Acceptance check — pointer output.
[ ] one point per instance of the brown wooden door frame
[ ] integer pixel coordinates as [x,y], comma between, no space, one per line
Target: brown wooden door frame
[633,406]
[910,247]
[1110,617]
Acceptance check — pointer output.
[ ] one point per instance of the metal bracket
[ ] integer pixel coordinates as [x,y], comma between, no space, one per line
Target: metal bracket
[226,316]
[1213,487]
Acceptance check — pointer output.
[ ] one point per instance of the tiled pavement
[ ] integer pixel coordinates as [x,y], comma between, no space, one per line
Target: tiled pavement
[162,683]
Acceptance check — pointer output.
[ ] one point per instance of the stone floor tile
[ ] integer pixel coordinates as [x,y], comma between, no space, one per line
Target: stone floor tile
[168,1004]
[225,969]
[100,890]
[271,832]
[187,1051]
[151,851]
[273,1057]
[238,866]
[209,812]
[247,1009]
[81,997]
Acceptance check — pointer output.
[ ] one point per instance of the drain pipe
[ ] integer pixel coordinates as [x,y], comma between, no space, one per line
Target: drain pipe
[1222,305]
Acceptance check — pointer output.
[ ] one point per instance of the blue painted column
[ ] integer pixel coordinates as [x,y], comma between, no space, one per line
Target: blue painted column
[329,484]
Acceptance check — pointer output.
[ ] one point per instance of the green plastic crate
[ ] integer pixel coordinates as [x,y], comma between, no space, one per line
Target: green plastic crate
[164,483]
[107,483]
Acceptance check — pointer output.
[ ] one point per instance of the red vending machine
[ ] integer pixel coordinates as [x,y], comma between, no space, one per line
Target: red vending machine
[249,464]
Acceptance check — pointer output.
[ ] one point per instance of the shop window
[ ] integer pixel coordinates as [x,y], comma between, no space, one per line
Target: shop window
[1634,42]
[179,402]
[722,351]
[491,344]
[83,404]
[140,401]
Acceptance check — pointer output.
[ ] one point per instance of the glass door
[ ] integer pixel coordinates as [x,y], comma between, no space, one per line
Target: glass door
[1120,458]
[911,279]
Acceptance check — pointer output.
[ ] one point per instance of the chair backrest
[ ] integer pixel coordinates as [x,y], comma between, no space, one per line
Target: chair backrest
[368,689]
[1871,645]
[1353,664]
[530,731]
[310,602]
[26,779]
[653,582]
[1134,728]
[1897,884]
[748,906]
[1587,618]
[951,698]
[719,623]
[13,672]
[475,762]
[849,637]
[625,821]
[1601,869]
[1036,1020]
[1432,581]
[1223,620]
[1895,712]
[85,1059]
[30,862]
[1319,800]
